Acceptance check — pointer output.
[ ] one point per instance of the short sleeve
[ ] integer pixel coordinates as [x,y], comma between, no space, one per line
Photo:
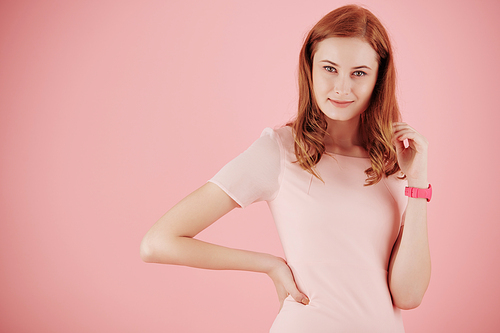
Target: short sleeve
[254,175]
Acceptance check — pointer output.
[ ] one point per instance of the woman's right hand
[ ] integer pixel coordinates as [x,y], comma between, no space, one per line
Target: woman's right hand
[282,276]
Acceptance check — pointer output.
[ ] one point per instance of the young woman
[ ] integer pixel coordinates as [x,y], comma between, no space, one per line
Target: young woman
[334,178]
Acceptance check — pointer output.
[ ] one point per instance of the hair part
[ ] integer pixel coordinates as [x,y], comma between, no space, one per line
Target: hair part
[310,126]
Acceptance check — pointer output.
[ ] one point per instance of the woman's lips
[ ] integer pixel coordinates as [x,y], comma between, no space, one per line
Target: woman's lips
[341,104]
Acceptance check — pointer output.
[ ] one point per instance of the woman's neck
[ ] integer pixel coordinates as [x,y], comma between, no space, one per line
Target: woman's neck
[343,138]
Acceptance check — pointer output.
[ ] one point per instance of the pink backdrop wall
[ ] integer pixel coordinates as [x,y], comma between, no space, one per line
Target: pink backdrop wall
[112,111]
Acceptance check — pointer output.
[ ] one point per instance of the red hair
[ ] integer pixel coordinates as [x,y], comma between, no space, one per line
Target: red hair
[310,126]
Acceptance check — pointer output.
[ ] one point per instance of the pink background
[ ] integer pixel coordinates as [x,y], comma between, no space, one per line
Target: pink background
[112,111]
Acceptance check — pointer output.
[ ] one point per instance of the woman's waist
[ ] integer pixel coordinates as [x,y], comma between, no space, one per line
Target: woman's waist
[333,280]
[335,264]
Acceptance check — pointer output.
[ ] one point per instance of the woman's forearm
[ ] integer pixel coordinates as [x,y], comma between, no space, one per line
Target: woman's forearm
[410,268]
[192,252]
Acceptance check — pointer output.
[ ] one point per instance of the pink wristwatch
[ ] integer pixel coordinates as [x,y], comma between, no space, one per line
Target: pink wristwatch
[415,192]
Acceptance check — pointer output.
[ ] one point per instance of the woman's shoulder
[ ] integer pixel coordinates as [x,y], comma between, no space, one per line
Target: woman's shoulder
[283,135]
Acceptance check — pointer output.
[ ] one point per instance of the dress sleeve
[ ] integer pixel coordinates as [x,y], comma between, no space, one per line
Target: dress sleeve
[255,174]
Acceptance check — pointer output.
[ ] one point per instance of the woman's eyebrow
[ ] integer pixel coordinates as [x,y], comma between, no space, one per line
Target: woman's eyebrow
[334,64]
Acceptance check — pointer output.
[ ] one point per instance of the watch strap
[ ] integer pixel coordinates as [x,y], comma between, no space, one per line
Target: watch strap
[415,192]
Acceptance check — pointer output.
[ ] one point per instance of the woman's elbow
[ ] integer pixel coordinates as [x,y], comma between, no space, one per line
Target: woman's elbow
[146,250]
[407,303]
[154,250]
[408,298]
[408,295]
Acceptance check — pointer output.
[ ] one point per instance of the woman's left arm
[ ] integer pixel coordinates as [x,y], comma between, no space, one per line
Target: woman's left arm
[410,265]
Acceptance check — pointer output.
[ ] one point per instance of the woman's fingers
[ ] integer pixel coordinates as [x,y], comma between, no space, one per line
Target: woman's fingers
[403,131]
[284,282]
[296,294]
[412,158]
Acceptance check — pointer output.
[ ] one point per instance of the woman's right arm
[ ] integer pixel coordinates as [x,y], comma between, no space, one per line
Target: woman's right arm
[171,241]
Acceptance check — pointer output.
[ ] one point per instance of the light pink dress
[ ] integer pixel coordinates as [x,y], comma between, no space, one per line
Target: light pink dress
[337,236]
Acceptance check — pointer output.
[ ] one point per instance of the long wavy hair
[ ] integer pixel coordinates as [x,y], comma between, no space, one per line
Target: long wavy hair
[375,127]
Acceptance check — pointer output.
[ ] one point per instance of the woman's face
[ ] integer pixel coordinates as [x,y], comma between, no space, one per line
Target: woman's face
[344,72]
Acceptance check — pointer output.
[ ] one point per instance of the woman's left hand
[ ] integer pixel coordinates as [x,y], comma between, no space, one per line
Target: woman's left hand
[412,159]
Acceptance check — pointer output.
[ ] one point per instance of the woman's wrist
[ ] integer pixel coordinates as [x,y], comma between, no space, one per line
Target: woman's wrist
[271,262]
[418,183]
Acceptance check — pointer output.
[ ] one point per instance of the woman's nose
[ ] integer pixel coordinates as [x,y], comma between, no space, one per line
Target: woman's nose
[342,86]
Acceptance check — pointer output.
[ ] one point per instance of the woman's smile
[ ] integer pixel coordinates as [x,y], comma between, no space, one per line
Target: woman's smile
[340,104]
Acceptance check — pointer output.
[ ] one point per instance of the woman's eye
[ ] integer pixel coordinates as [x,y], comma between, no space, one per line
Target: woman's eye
[359,73]
[330,69]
